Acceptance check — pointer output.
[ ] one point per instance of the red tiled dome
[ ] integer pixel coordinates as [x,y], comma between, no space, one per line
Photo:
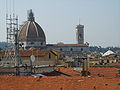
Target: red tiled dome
[31,30]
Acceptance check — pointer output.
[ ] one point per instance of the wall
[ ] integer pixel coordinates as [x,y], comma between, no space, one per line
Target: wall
[70,50]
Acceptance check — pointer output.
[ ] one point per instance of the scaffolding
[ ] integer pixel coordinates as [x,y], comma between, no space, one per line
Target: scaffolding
[12,48]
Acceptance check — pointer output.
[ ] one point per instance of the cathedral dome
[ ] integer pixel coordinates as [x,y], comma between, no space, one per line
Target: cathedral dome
[31,31]
[31,34]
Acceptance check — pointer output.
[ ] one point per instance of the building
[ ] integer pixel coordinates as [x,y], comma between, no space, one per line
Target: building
[41,56]
[45,61]
[80,34]
[70,49]
[31,34]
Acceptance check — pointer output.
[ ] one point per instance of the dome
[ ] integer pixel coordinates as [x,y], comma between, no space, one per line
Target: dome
[31,34]
[31,31]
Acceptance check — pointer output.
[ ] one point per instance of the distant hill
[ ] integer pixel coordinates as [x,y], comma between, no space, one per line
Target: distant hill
[103,50]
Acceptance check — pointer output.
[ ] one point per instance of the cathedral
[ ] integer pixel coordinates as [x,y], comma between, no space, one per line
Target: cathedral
[31,35]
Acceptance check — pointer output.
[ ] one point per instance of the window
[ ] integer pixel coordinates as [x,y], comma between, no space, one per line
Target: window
[71,49]
[61,49]
[8,63]
[49,55]
[107,61]
[41,43]
[81,49]
[32,43]
[81,35]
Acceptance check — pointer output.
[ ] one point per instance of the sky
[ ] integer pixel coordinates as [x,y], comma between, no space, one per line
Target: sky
[58,19]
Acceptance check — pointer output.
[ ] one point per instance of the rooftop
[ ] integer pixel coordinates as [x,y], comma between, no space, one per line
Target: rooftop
[36,52]
[82,45]
[62,82]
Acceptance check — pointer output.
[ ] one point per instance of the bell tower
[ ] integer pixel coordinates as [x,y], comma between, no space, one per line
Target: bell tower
[80,34]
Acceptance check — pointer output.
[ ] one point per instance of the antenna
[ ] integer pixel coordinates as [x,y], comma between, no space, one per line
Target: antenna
[13,6]
[6,6]
[79,20]
[10,6]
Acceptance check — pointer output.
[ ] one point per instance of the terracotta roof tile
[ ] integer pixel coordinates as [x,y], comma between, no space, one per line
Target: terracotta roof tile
[31,30]
[28,53]
[62,82]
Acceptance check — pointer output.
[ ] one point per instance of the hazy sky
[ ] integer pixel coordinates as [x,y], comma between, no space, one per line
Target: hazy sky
[59,18]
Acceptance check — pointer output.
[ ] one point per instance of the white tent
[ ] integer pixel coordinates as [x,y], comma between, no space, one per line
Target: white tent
[108,53]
